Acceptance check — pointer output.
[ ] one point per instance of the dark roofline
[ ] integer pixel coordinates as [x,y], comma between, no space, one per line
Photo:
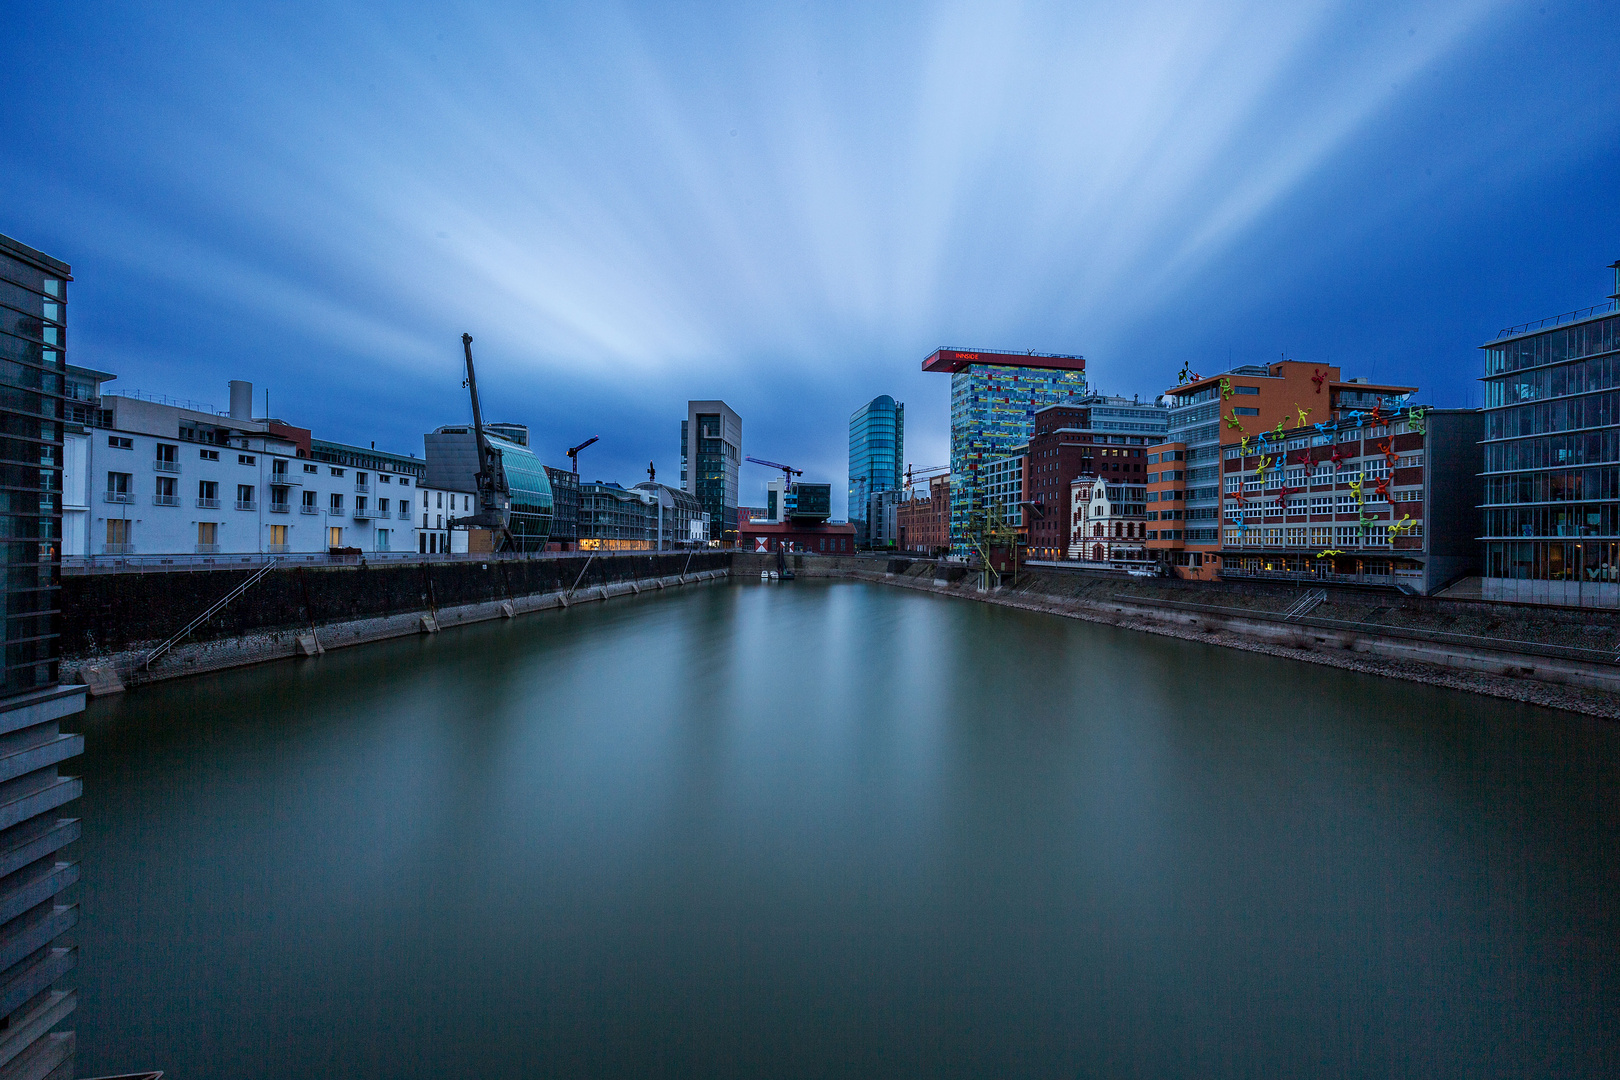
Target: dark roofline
[35,256]
[950,359]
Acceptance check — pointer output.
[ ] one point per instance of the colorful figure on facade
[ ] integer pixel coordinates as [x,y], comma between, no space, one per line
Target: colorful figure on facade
[1319,378]
[1260,469]
[1406,522]
[1358,416]
[1382,487]
[1337,459]
[1233,422]
[1244,443]
[1416,419]
[1377,413]
[1226,388]
[1329,553]
[1303,413]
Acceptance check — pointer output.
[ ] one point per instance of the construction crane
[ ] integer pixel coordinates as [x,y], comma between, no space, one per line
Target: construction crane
[494,494]
[788,471]
[912,475]
[573,454]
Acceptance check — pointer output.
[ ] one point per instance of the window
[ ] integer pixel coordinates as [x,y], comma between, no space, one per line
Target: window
[120,442]
[335,472]
[360,481]
[207,536]
[278,468]
[1153,459]
[441,500]
[359,504]
[1245,390]
[382,506]
[1240,410]
[384,478]
[208,455]
[336,505]
[312,469]
[165,492]
[119,531]
[278,539]
[246,459]
[207,494]
[308,506]
[244,497]
[118,484]
[382,539]
[404,481]
[334,536]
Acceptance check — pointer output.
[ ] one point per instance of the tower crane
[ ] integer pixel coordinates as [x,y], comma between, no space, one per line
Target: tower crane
[573,454]
[788,471]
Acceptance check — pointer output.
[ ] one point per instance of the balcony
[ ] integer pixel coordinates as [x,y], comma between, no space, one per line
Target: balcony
[362,486]
[362,514]
[405,514]
[281,508]
[207,549]
[334,511]
[208,504]
[165,500]
[309,508]
[118,549]
[166,466]
[247,504]
[117,497]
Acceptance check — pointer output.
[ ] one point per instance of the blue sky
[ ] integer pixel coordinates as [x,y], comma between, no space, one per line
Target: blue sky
[790,205]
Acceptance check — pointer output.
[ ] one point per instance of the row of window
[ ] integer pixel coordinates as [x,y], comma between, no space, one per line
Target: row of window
[120,538]
[1322,536]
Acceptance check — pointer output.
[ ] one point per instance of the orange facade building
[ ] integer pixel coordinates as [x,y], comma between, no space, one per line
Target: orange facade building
[1211,415]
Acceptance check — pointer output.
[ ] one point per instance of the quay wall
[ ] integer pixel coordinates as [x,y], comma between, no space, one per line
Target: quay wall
[1560,657]
[111,622]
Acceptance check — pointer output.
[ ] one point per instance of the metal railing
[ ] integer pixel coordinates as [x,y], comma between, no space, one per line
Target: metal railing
[208,504]
[247,504]
[280,549]
[1556,320]
[117,497]
[165,500]
[309,508]
[166,466]
[118,549]
[362,487]
[207,549]
[335,511]
[280,508]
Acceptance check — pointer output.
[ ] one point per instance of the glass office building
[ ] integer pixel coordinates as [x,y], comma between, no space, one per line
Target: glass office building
[33,340]
[994,397]
[711,454]
[1552,459]
[530,518]
[877,434]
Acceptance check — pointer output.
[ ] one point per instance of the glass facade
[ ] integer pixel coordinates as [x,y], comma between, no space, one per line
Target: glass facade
[992,413]
[33,344]
[711,454]
[530,518]
[877,432]
[1552,463]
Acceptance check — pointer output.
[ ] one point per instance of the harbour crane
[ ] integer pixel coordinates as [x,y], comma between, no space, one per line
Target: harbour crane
[494,494]
[912,475]
[788,471]
[573,454]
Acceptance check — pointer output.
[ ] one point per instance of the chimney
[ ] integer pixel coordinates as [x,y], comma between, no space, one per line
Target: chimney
[241,400]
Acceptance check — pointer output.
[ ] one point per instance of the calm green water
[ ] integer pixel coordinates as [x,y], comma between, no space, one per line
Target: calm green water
[829,830]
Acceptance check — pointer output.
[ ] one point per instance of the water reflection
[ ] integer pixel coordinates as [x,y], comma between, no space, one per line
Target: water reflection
[814,829]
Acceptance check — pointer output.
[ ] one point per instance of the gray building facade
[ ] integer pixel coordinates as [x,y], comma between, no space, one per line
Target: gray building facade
[711,455]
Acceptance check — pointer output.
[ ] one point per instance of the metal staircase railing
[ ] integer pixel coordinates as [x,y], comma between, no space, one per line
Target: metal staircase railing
[1307,604]
[205,616]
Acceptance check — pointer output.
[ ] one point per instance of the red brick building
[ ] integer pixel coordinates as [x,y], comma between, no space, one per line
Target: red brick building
[923,519]
[1091,436]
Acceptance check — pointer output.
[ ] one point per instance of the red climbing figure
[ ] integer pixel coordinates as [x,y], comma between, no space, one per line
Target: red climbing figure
[1319,378]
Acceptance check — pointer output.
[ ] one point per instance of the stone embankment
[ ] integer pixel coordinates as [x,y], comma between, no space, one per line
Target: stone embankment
[113,622]
[1558,657]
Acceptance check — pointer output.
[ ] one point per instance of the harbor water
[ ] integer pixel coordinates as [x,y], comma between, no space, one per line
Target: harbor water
[812,829]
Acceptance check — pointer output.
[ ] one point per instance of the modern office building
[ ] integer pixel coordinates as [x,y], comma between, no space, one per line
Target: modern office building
[1380,498]
[34,868]
[1084,437]
[564,508]
[1211,414]
[647,517]
[452,466]
[877,437]
[994,397]
[1552,459]
[711,454]
[882,524]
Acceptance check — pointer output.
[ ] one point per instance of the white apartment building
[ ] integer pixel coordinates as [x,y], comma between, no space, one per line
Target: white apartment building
[1104,528]
[148,477]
